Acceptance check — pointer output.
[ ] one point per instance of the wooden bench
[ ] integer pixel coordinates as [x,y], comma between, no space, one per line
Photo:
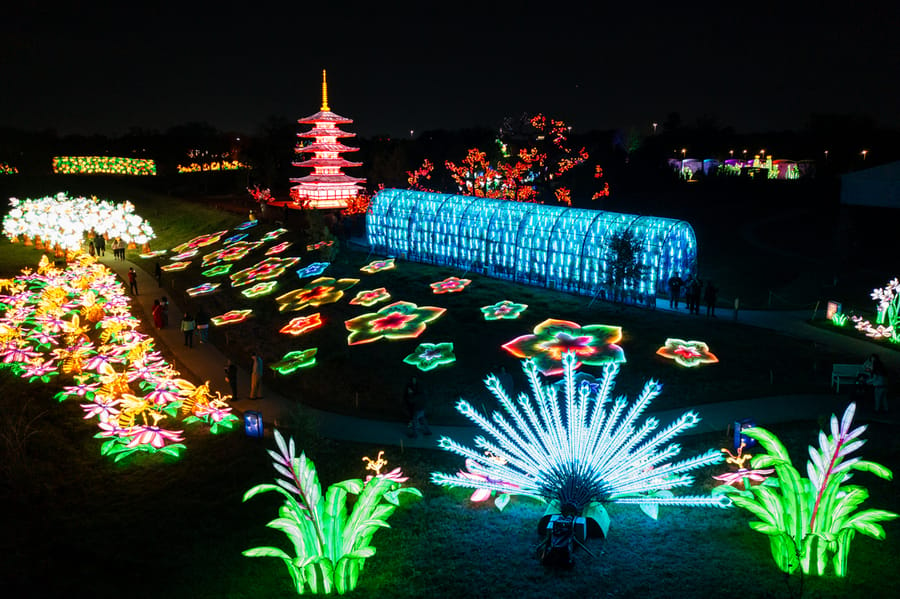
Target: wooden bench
[844,373]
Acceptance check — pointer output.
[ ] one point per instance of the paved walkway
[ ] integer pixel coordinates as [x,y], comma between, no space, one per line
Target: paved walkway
[206,362]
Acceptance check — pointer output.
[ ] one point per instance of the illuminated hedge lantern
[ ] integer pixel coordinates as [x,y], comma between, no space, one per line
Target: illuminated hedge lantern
[550,246]
[253,424]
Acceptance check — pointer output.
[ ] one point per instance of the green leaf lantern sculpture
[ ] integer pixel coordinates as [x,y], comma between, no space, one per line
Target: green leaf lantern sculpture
[331,544]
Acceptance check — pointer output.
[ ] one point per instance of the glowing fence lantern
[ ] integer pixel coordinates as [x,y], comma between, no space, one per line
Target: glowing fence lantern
[204,289]
[302,324]
[594,345]
[295,360]
[378,265]
[450,285]
[550,246]
[318,292]
[175,266]
[109,165]
[313,270]
[687,353]
[278,248]
[264,288]
[400,320]
[428,356]
[503,310]
[371,297]
[232,317]
[253,424]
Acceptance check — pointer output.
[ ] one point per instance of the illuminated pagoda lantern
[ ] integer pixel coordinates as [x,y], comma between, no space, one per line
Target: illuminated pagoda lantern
[327,187]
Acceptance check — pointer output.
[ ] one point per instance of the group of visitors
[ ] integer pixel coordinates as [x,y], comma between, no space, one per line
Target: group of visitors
[96,245]
[693,290]
[256,375]
[118,248]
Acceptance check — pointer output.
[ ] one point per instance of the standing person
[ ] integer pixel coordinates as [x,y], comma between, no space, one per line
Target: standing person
[157,314]
[675,283]
[100,242]
[878,380]
[231,378]
[256,373]
[115,248]
[695,290]
[132,281]
[157,271]
[203,325]
[187,327]
[709,294]
[164,302]
[414,401]
[91,248]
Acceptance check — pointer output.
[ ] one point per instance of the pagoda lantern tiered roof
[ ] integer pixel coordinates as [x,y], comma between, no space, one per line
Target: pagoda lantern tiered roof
[327,186]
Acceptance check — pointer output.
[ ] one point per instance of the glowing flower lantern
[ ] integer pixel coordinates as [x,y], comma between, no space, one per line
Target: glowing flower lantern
[215,271]
[199,242]
[371,297]
[175,266]
[231,252]
[503,310]
[378,266]
[687,353]
[428,356]
[185,255]
[234,238]
[232,317]
[594,345]
[302,324]
[319,245]
[204,289]
[295,360]
[153,254]
[278,248]
[450,285]
[274,234]
[259,289]
[246,225]
[313,270]
[270,268]
[742,476]
[318,292]
[400,320]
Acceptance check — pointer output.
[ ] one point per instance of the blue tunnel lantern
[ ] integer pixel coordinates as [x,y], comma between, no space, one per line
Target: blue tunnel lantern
[549,246]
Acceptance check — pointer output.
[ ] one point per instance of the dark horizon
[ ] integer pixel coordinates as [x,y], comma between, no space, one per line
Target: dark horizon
[89,70]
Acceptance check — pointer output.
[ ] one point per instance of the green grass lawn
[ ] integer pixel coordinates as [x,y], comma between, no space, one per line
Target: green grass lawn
[151,527]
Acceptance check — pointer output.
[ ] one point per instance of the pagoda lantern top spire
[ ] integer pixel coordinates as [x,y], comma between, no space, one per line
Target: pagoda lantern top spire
[324,93]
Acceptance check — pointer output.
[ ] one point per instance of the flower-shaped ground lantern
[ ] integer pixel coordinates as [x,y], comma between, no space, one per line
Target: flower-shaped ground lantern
[503,310]
[450,285]
[371,297]
[594,345]
[318,246]
[429,356]
[198,242]
[215,271]
[270,268]
[259,289]
[313,270]
[230,253]
[278,248]
[400,320]
[687,353]
[204,289]
[323,290]
[232,317]
[275,234]
[302,324]
[175,266]
[295,360]
[378,265]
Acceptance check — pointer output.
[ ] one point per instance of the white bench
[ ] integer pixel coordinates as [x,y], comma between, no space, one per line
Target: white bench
[844,373]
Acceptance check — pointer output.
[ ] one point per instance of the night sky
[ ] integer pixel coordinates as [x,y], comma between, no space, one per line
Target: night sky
[397,66]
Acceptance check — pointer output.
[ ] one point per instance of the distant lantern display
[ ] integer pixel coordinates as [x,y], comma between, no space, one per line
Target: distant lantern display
[327,187]
[562,248]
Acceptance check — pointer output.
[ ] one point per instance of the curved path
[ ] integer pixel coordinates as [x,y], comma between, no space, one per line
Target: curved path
[206,362]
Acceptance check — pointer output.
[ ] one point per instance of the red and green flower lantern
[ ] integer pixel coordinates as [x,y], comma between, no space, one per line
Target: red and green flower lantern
[400,320]
[594,345]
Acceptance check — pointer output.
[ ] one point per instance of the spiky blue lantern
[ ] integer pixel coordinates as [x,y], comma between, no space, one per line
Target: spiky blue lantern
[581,451]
